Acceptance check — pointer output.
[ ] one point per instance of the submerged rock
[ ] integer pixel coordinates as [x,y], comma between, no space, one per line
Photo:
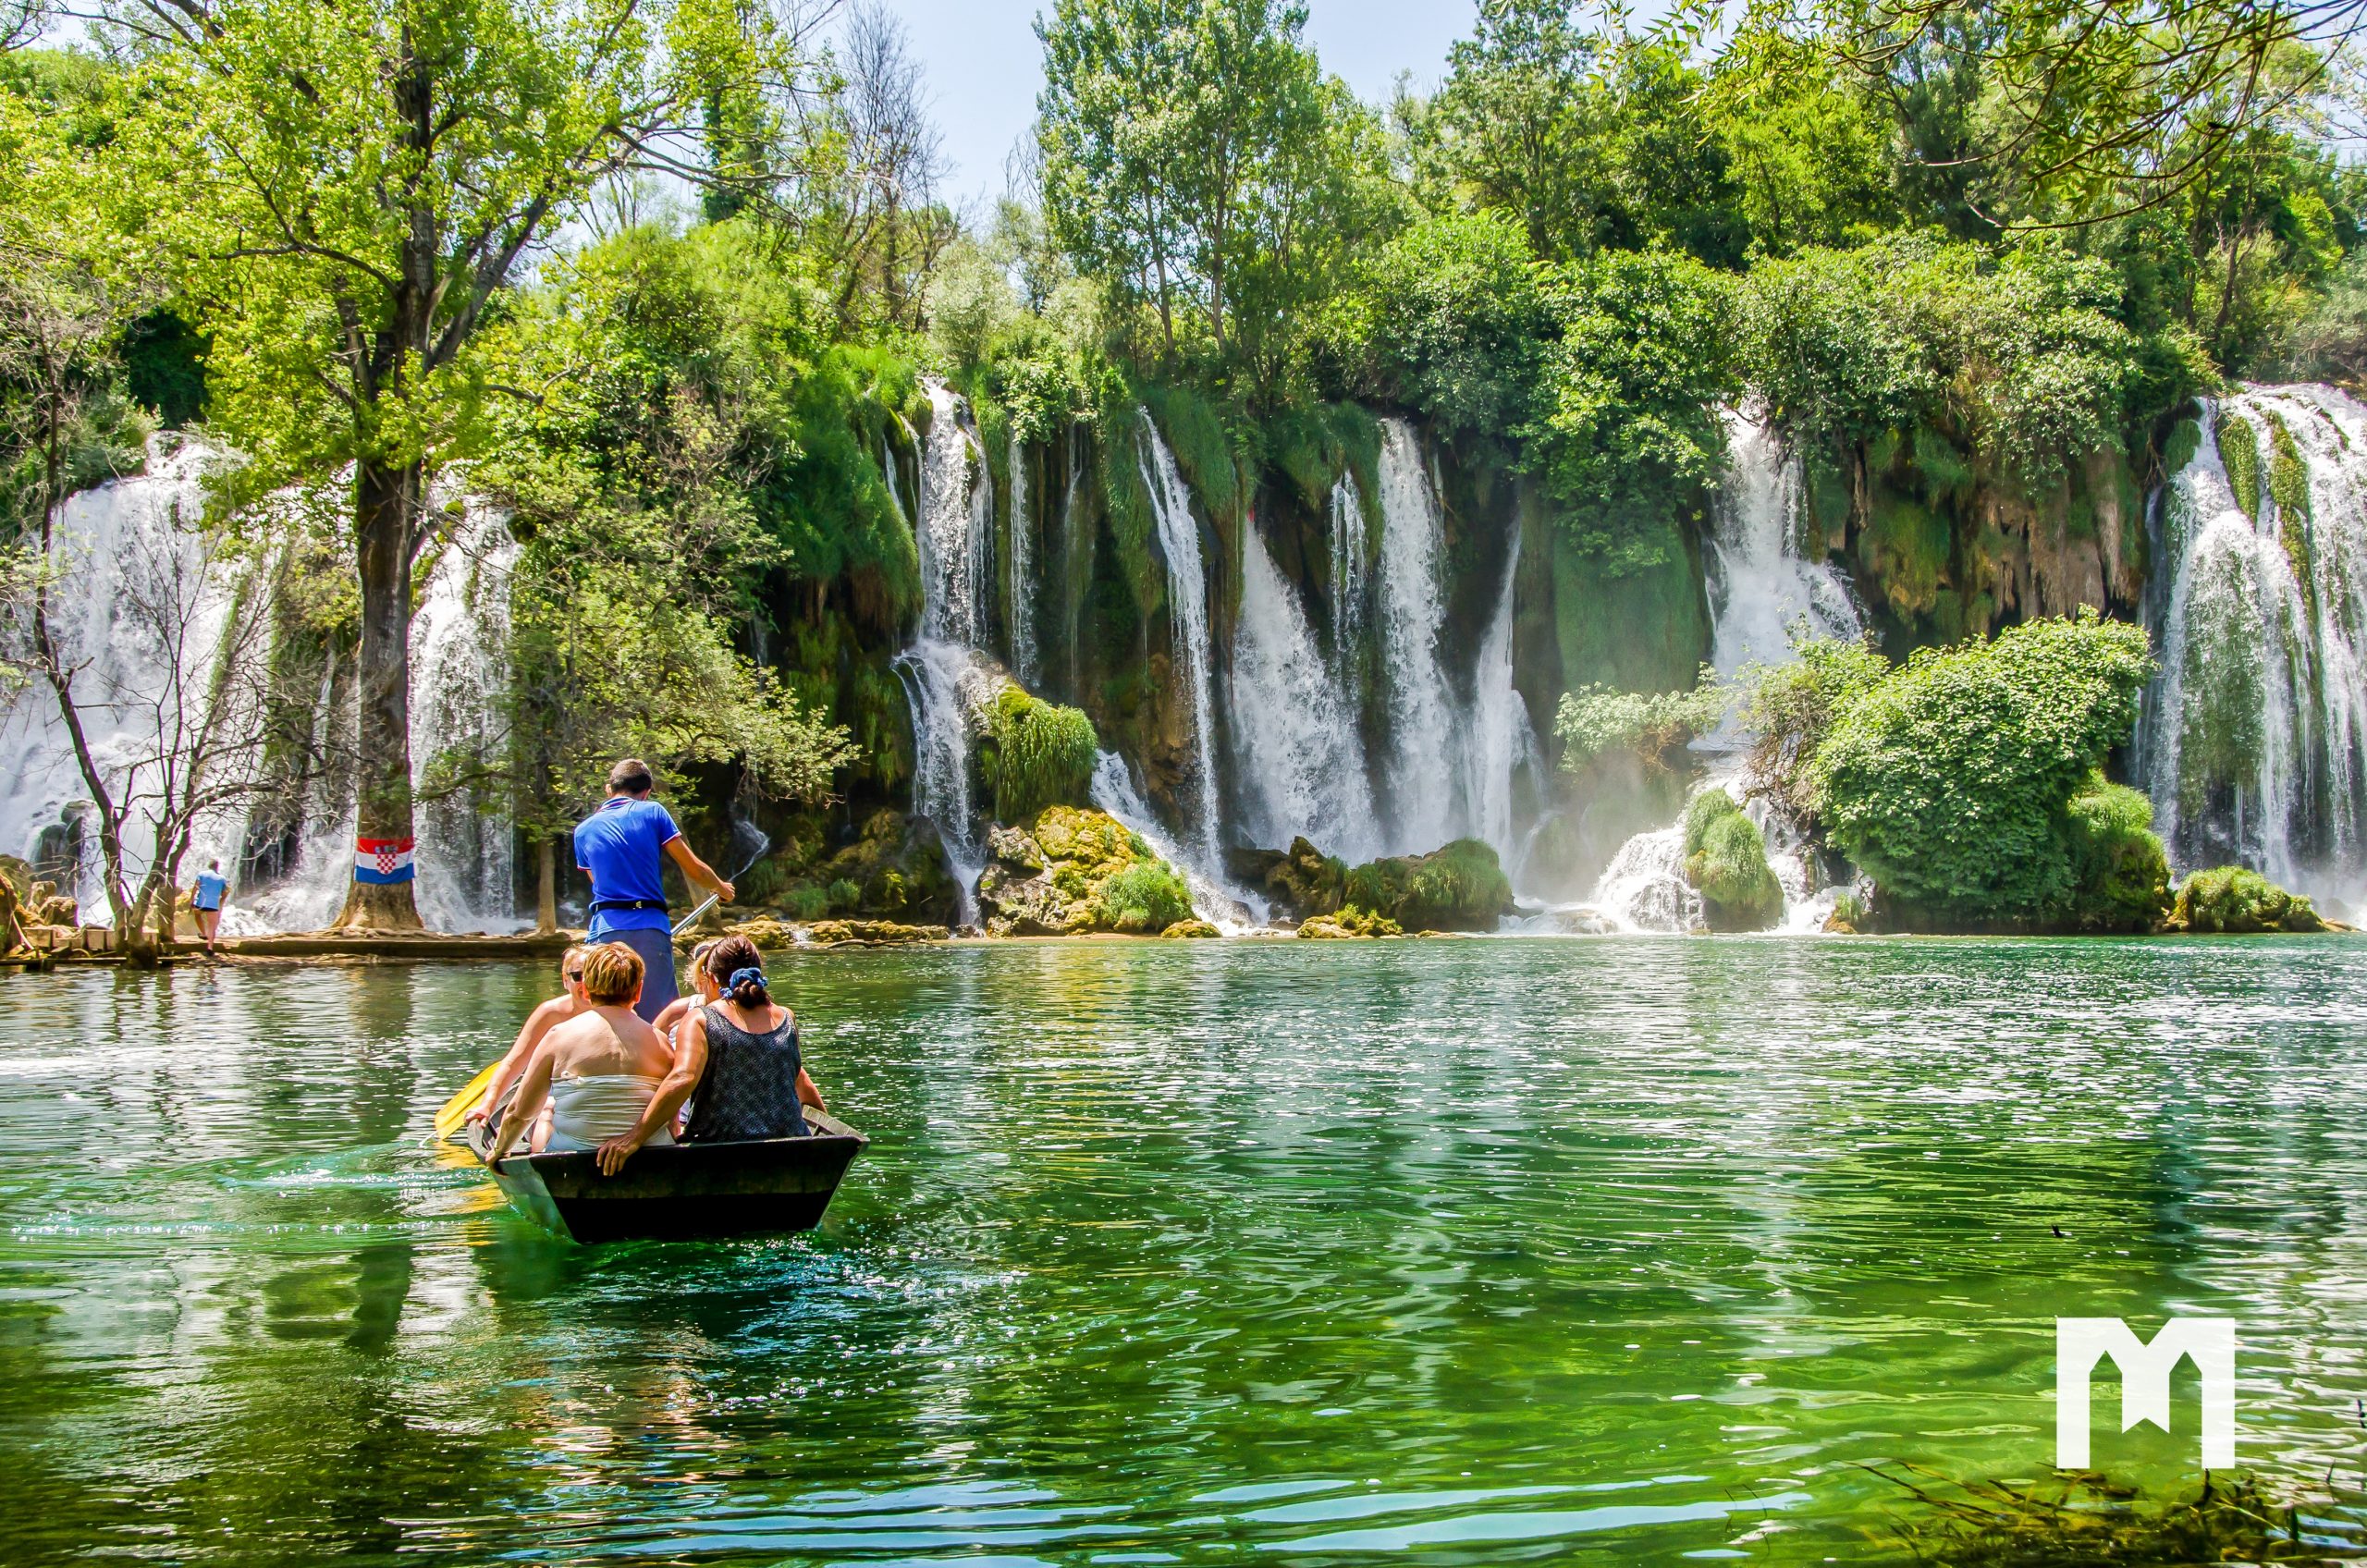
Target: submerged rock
[1071,872]
[2230,899]
[1458,887]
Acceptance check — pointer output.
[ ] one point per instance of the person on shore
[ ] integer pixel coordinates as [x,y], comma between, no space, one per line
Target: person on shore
[623,847]
[600,1070]
[211,888]
[546,1016]
[739,1054]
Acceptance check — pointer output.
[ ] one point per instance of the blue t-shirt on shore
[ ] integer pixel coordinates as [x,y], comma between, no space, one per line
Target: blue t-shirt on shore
[211,891]
[622,845]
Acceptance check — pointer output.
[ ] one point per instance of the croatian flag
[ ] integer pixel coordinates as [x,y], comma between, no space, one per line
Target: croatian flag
[381,861]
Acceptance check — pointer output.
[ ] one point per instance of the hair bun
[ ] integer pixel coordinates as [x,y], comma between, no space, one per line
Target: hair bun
[746,981]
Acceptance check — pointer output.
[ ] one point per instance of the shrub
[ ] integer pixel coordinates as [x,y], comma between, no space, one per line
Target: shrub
[1594,719]
[1792,706]
[805,902]
[845,894]
[1950,782]
[1458,887]
[1147,896]
[2121,877]
[1043,755]
[2230,897]
[1725,859]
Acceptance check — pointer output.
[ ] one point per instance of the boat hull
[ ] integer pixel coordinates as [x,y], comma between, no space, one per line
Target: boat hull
[684,1191]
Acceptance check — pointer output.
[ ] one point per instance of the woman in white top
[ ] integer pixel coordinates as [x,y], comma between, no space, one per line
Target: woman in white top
[599,1069]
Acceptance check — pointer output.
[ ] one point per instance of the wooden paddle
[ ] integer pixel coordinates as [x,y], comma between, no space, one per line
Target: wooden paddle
[455,1113]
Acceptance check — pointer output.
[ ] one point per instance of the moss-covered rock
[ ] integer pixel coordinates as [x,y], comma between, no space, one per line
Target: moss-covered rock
[1458,887]
[1072,871]
[871,933]
[1725,859]
[1038,754]
[1191,929]
[1348,923]
[2231,899]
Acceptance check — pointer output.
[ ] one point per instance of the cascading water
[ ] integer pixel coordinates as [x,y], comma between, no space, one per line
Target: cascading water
[1419,767]
[1187,601]
[1760,588]
[1351,574]
[1297,752]
[115,543]
[1500,741]
[956,535]
[2253,741]
[1113,790]
[1022,580]
[144,528]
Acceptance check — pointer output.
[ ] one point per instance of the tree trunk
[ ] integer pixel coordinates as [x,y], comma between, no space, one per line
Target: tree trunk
[386,503]
[546,886]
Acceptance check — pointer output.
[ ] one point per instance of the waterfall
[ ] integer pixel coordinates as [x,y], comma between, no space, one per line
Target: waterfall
[1499,737]
[1022,582]
[1074,562]
[941,681]
[956,525]
[460,636]
[1760,587]
[1298,757]
[1187,602]
[1114,791]
[132,537]
[956,536]
[2253,740]
[129,538]
[1351,568]
[1420,768]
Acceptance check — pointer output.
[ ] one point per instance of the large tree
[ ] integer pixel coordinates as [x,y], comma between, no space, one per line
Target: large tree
[346,188]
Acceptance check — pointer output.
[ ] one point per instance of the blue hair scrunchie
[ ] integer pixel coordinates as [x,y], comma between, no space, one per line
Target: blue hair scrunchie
[747,978]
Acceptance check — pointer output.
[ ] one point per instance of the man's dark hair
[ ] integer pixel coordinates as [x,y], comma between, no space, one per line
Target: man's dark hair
[632,776]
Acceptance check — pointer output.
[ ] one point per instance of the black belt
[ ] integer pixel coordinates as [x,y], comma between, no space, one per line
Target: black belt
[599,905]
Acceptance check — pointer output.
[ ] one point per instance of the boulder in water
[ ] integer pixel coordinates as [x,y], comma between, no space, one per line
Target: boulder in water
[871,933]
[1349,922]
[1725,860]
[1191,928]
[2231,899]
[1071,872]
[1457,888]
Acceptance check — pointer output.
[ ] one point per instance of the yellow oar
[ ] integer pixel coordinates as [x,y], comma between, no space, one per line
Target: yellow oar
[456,1110]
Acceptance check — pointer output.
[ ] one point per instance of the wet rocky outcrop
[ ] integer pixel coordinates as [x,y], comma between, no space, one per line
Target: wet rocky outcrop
[1458,887]
[1300,883]
[1071,872]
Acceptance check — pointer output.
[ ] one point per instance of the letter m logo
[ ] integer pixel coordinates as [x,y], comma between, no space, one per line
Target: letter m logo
[2080,1342]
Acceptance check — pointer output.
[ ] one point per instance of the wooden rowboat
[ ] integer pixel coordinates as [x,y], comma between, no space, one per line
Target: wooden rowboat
[668,1192]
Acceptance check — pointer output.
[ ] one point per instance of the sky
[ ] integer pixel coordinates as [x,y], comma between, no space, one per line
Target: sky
[984,66]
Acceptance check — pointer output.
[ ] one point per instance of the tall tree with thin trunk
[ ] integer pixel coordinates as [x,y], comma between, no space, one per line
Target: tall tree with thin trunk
[345,189]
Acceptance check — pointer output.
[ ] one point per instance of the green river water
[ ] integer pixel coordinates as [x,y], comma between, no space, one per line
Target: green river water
[1452,1252]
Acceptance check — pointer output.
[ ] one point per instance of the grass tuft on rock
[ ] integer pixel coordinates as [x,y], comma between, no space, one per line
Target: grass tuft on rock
[2234,900]
[1043,755]
[1146,897]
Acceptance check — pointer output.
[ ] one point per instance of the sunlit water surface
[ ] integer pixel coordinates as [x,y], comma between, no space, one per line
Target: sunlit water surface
[1451,1252]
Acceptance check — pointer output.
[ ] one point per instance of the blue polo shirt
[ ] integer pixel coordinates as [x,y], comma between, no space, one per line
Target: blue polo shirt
[211,891]
[622,846]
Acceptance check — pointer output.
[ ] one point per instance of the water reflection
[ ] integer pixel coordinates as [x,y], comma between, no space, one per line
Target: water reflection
[1479,1251]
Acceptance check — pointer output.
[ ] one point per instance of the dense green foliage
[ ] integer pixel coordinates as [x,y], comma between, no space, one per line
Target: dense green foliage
[2119,872]
[1146,897]
[1725,859]
[1950,781]
[1790,708]
[1043,755]
[1594,720]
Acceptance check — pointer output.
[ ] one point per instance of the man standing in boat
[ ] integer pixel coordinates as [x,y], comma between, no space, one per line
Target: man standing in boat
[623,847]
